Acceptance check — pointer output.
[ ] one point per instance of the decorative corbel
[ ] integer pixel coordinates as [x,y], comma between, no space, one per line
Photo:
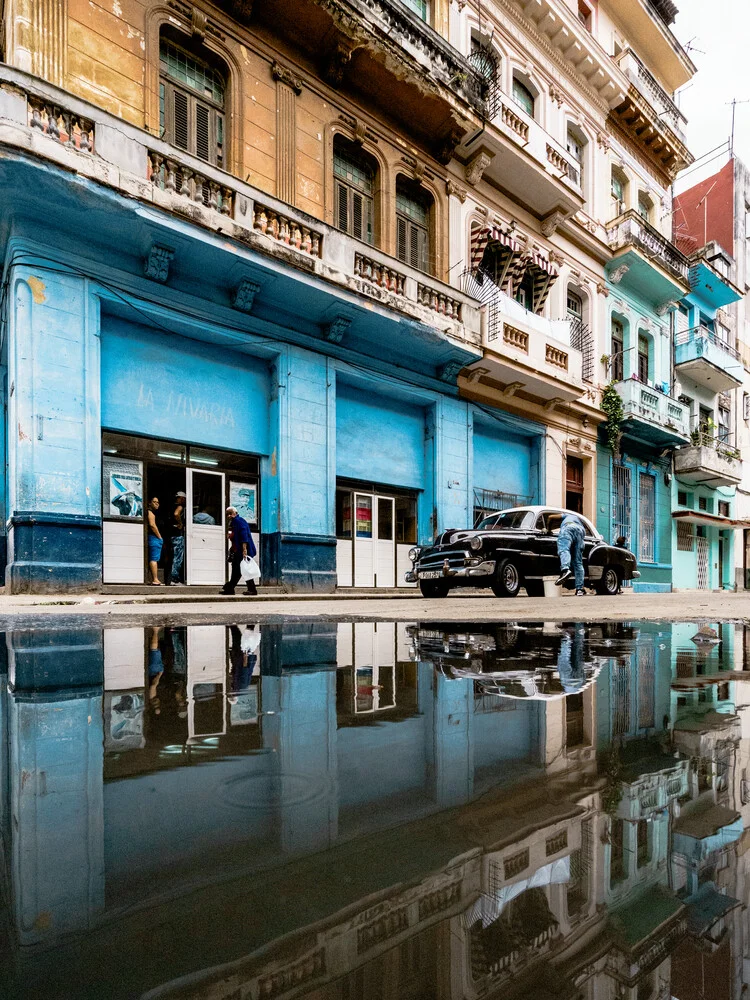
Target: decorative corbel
[553,403]
[551,221]
[337,59]
[244,295]
[477,165]
[602,289]
[618,273]
[454,190]
[360,131]
[284,75]
[198,24]
[335,331]
[476,374]
[664,307]
[556,94]
[156,265]
[450,370]
[557,258]
[446,147]
[602,140]
[512,388]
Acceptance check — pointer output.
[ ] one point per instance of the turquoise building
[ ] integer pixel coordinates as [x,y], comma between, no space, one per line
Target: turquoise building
[707,369]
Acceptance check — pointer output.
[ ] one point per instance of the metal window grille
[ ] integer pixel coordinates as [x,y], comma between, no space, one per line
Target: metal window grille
[490,501]
[702,563]
[621,699]
[685,537]
[724,508]
[621,503]
[647,518]
[581,340]
[646,685]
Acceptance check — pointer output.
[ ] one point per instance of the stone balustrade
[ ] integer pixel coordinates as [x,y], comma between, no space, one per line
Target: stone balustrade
[554,356]
[61,125]
[376,273]
[144,168]
[514,122]
[516,338]
[557,160]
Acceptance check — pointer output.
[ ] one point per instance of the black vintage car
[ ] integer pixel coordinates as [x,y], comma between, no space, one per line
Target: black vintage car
[513,549]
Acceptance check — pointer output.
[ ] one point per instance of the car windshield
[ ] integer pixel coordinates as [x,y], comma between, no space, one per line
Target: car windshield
[509,519]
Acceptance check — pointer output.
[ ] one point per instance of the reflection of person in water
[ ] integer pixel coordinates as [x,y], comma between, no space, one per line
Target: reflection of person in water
[243,655]
[155,670]
[570,659]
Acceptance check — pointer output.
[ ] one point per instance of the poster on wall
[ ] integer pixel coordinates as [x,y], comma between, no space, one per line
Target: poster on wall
[122,491]
[244,497]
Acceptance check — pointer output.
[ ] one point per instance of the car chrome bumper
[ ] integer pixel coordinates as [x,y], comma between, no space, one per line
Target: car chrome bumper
[486,568]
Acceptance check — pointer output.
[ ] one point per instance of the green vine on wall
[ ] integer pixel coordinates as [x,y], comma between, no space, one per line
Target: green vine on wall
[612,407]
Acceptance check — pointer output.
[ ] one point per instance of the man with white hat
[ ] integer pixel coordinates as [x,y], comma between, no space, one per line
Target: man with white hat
[178,539]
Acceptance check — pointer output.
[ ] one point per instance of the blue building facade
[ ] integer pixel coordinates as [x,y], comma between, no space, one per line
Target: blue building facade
[243,371]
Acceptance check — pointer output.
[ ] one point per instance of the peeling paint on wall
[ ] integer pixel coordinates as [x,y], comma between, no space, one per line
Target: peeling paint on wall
[37,287]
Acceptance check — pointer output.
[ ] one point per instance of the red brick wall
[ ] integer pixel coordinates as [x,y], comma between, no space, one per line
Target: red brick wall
[691,228]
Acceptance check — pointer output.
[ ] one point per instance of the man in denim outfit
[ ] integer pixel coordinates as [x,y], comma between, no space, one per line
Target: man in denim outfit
[570,549]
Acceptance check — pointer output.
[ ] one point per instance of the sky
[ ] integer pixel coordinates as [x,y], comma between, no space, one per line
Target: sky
[716,33]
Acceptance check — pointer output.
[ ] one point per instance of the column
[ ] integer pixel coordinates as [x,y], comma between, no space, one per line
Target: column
[448,443]
[449,730]
[299,539]
[287,88]
[38,38]
[54,461]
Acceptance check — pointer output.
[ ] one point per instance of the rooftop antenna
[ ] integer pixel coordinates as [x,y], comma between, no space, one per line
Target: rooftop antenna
[689,47]
[734,102]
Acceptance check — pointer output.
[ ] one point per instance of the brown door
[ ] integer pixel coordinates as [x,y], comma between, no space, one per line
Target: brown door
[574,484]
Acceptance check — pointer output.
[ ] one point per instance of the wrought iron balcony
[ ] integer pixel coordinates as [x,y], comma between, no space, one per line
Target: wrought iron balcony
[647,261]
[651,415]
[646,83]
[699,354]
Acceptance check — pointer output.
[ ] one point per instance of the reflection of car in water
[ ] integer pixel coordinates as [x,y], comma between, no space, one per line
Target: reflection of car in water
[513,549]
[522,660]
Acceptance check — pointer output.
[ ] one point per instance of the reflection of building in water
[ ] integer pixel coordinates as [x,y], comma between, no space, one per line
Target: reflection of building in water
[380,829]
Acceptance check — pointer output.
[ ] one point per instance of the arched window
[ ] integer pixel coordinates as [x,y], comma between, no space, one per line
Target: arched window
[645,206]
[644,358]
[617,355]
[523,96]
[192,95]
[575,142]
[619,191]
[413,224]
[354,175]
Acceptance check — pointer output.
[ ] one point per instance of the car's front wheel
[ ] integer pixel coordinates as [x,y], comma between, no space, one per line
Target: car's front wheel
[434,588]
[507,579]
[609,584]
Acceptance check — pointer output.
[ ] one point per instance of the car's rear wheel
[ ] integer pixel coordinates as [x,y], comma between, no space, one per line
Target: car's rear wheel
[507,579]
[434,588]
[535,588]
[609,584]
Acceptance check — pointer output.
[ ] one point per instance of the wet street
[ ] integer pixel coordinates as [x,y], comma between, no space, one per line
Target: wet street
[416,809]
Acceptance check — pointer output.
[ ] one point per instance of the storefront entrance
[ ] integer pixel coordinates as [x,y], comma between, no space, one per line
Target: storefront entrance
[135,470]
[374,533]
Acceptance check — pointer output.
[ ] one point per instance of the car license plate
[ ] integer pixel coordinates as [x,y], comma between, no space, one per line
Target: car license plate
[431,574]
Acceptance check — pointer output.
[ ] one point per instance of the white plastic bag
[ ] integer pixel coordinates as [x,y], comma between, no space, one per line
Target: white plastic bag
[249,569]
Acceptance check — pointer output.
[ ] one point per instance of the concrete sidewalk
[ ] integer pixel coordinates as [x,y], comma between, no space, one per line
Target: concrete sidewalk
[389,606]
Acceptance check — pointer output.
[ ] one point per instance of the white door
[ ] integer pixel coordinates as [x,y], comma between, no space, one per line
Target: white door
[206,680]
[385,542]
[364,540]
[205,531]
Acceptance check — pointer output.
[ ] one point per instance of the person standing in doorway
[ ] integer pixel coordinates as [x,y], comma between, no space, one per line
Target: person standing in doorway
[155,542]
[570,549]
[241,545]
[177,574]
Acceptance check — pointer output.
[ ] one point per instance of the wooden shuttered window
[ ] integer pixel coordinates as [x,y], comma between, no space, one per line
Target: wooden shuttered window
[191,104]
[353,212]
[413,225]
[354,183]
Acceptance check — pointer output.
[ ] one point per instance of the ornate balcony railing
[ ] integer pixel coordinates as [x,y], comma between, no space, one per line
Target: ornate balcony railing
[699,337]
[145,168]
[631,229]
[645,82]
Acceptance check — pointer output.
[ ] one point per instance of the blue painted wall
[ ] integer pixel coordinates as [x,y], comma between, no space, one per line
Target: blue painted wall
[173,387]
[379,439]
[502,460]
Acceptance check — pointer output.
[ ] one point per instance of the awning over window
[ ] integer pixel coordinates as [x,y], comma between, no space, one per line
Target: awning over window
[712,520]
[543,275]
[507,253]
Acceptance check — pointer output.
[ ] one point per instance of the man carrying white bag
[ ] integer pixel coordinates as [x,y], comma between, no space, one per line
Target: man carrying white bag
[241,555]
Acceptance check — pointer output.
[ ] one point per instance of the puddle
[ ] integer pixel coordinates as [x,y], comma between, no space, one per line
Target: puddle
[360,810]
